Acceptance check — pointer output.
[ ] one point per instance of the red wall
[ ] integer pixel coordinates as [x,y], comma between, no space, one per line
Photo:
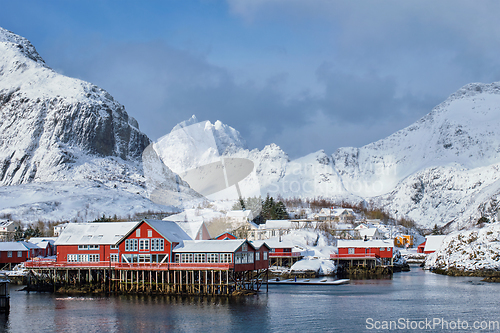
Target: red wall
[14,259]
[64,250]
[144,227]
[262,264]
[362,250]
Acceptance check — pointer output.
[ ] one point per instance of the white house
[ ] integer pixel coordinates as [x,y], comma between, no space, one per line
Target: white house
[7,230]
[240,216]
[370,233]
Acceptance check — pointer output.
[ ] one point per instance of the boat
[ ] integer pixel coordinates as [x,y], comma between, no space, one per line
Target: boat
[309,282]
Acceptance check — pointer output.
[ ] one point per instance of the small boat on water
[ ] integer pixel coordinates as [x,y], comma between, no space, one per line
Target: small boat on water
[309,282]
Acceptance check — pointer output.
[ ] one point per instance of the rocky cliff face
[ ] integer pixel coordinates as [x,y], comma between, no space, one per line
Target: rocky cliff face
[51,124]
[68,150]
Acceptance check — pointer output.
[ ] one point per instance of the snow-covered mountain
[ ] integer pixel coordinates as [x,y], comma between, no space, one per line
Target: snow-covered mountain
[57,130]
[441,169]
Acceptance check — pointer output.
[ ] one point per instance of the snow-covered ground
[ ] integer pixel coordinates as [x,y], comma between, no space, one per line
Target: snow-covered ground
[469,250]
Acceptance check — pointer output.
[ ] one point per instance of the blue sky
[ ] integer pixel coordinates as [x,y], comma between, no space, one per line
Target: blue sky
[306,75]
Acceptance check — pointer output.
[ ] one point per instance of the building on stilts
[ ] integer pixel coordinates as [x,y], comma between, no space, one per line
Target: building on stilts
[150,256]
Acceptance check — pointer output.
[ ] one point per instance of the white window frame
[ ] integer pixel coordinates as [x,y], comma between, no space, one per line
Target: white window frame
[212,258]
[83,257]
[113,257]
[226,258]
[186,257]
[350,250]
[93,257]
[157,244]
[143,244]
[72,257]
[9,254]
[138,233]
[265,255]
[19,254]
[199,258]
[257,256]
[150,233]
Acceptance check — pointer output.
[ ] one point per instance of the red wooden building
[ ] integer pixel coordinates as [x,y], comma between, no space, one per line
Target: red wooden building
[12,253]
[364,252]
[282,253]
[94,242]
[420,248]
[238,255]
[151,241]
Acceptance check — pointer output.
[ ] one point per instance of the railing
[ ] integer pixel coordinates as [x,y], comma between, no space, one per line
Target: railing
[122,265]
[353,255]
[284,254]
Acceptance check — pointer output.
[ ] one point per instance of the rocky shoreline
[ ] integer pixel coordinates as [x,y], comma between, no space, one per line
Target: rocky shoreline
[488,274]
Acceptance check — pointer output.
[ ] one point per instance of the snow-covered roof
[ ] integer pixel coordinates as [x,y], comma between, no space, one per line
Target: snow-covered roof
[183,217]
[343,243]
[94,233]
[368,232]
[279,224]
[170,230]
[192,228]
[240,213]
[38,240]
[274,243]
[30,245]
[258,243]
[5,223]
[230,245]
[12,246]
[433,242]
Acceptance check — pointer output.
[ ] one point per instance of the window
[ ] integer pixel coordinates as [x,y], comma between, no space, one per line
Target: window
[257,256]
[113,247]
[9,254]
[177,257]
[237,258]
[150,233]
[225,258]
[72,257]
[113,257]
[213,257]
[19,254]
[143,244]
[83,247]
[199,257]
[131,244]
[350,250]
[138,233]
[186,257]
[144,258]
[157,244]
[244,247]
[250,257]
[93,257]
[83,257]
[93,247]
[265,255]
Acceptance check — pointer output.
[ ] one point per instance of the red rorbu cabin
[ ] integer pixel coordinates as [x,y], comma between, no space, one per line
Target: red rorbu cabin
[83,243]
[151,241]
[237,255]
[364,252]
[12,253]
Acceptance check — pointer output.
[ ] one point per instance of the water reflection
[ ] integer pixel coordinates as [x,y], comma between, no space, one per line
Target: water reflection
[343,308]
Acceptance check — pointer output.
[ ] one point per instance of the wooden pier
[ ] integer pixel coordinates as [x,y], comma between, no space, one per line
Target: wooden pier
[124,278]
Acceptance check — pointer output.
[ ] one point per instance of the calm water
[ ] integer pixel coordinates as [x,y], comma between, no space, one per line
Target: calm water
[414,295]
